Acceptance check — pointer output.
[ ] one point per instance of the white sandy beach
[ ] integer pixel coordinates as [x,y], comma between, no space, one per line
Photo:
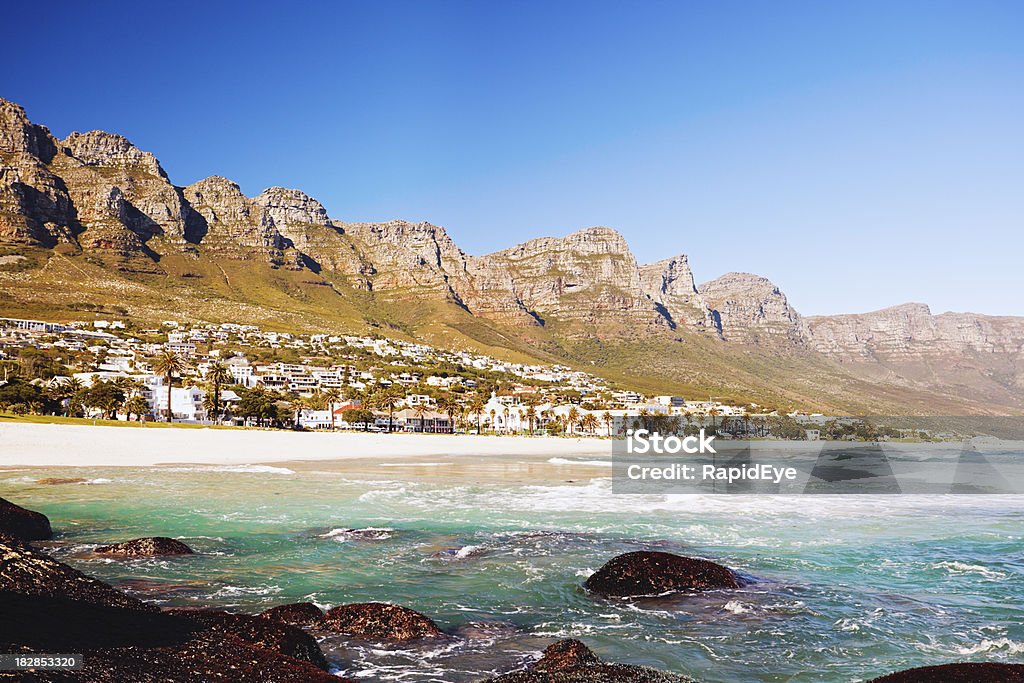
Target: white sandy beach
[49,445]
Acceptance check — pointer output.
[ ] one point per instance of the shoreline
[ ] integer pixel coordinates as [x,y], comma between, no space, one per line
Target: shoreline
[51,445]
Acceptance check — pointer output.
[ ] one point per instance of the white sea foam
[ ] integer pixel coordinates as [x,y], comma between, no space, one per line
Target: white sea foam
[255,469]
[571,461]
[998,645]
[98,480]
[414,464]
[370,533]
[956,568]
[736,607]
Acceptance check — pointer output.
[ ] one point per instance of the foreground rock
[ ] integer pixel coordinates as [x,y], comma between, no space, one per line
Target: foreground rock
[264,633]
[24,524]
[146,547]
[978,672]
[296,614]
[570,661]
[647,573]
[380,621]
[48,606]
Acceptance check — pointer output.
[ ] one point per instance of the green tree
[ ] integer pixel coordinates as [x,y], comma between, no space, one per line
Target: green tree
[168,364]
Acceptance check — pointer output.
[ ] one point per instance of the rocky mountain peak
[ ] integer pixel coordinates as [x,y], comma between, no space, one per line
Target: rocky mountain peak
[19,135]
[751,309]
[98,148]
[292,207]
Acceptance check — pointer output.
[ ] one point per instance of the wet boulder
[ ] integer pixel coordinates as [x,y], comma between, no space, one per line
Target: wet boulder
[974,672]
[570,661]
[647,573]
[48,606]
[295,614]
[152,546]
[263,633]
[27,571]
[24,524]
[380,621]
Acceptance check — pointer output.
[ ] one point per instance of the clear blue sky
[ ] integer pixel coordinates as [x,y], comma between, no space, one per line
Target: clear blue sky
[860,154]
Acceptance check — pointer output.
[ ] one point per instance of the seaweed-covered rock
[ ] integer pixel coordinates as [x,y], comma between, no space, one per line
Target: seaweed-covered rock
[296,614]
[973,672]
[146,547]
[24,524]
[263,633]
[654,573]
[27,571]
[380,621]
[570,661]
[48,606]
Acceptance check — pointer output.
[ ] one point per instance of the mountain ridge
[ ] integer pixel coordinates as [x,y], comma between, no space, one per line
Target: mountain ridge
[95,197]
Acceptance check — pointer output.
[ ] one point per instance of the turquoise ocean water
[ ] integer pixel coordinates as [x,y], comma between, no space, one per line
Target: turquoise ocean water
[845,587]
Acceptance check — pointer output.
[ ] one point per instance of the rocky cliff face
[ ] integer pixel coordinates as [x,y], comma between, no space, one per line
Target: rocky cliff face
[669,283]
[587,277]
[751,309]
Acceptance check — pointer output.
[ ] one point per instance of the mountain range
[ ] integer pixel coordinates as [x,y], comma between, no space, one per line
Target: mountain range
[92,224]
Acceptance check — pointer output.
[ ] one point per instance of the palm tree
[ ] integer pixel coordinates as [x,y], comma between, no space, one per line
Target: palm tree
[477,406]
[506,414]
[388,399]
[713,413]
[589,422]
[330,397]
[494,414]
[169,364]
[421,411]
[606,417]
[449,405]
[218,376]
[572,418]
[296,405]
[531,416]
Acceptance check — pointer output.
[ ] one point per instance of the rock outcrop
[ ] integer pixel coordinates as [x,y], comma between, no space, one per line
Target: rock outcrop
[266,634]
[973,672]
[48,606]
[647,573]
[751,309]
[23,524]
[146,547]
[380,621]
[296,614]
[570,661]
[669,283]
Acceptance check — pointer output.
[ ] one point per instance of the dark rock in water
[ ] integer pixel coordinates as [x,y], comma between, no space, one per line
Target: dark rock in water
[146,547]
[570,661]
[47,606]
[263,633]
[54,481]
[653,573]
[380,621]
[296,614]
[566,654]
[24,524]
[975,672]
[29,572]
